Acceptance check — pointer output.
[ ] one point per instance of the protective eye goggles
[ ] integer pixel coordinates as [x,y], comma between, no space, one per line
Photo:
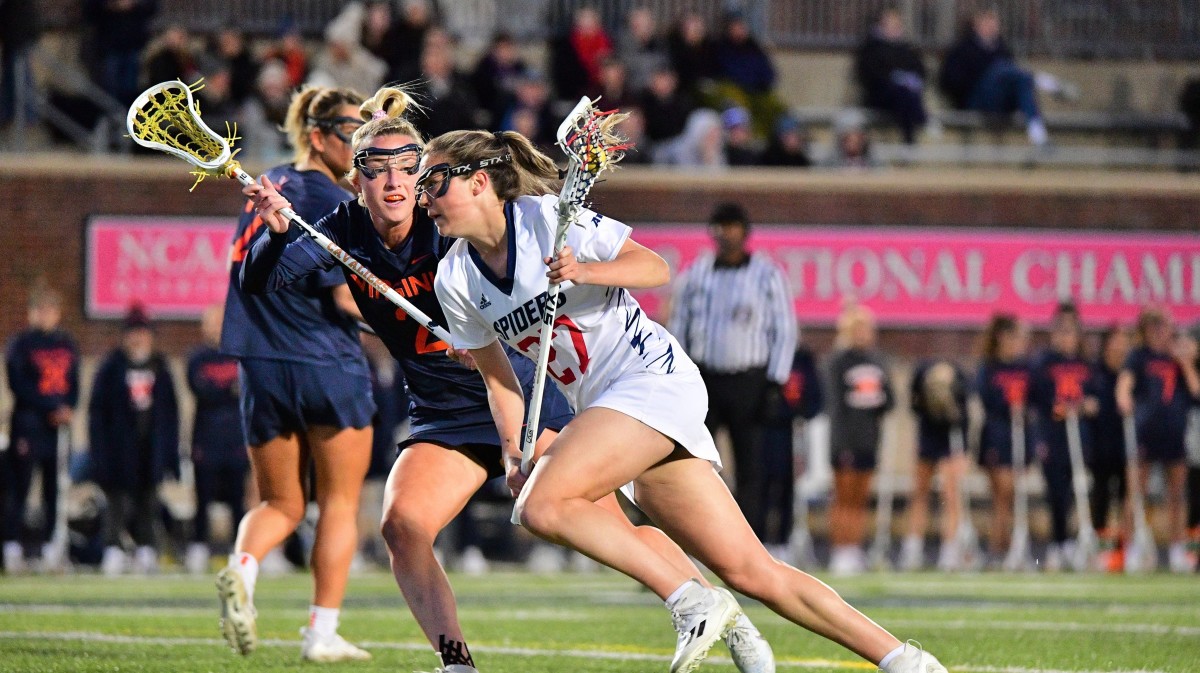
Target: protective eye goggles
[436,179]
[371,161]
[338,126]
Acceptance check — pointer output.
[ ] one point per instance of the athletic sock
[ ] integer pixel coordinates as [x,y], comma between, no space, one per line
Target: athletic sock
[890,656]
[323,622]
[678,593]
[247,565]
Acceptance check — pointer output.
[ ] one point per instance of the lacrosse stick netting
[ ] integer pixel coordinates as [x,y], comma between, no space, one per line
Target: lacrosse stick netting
[589,139]
[167,118]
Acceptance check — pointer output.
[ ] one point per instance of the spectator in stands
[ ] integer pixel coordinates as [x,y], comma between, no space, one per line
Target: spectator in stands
[860,395]
[495,77]
[530,111]
[938,398]
[746,75]
[1107,462]
[733,314]
[43,374]
[229,44]
[289,50]
[1189,105]
[575,56]
[219,456]
[693,55]
[1062,386]
[406,40]
[700,146]
[851,143]
[801,397]
[344,62]
[788,145]
[741,149]
[891,75]
[171,57]
[18,35]
[1002,384]
[376,28]
[666,107]
[263,116]
[633,129]
[1157,387]
[446,94]
[120,31]
[640,48]
[133,424]
[216,98]
[614,91]
[979,73]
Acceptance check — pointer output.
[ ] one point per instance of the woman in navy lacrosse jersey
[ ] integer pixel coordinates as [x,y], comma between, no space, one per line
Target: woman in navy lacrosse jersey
[1108,460]
[306,390]
[1157,386]
[639,400]
[453,448]
[1002,384]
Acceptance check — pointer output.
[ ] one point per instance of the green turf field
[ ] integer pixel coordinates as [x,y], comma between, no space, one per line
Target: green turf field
[520,623]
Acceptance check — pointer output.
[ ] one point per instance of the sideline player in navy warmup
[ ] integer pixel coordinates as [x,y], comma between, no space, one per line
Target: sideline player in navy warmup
[1062,381]
[1157,386]
[218,450]
[43,372]
[454,447]
[1003,385]
[306,391]
[1107,463]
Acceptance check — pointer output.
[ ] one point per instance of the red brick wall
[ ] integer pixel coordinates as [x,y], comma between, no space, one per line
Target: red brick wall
[43,207]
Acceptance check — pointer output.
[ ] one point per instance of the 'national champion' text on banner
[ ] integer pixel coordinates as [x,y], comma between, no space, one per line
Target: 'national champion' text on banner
[174,266]
[953,277]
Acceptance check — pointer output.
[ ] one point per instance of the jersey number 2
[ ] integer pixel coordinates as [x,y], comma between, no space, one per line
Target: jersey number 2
[566,377]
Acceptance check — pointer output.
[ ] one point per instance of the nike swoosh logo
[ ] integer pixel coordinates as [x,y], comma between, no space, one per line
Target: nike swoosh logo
[417,260]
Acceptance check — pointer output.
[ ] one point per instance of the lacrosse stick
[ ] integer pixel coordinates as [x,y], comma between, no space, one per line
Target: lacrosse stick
[881,547]
[1019,556]
[59,539]
[802,541]
[966,538]
[1142,554]
[166,118]
[588,139]
[1087,542]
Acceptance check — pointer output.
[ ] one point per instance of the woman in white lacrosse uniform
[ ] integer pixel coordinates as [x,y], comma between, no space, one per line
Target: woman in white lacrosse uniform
[639,400]
[453,448]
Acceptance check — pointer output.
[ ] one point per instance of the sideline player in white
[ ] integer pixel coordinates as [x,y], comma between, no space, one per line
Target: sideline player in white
[639,400]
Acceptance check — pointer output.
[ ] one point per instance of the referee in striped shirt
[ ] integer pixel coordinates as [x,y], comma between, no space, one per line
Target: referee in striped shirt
[733,315]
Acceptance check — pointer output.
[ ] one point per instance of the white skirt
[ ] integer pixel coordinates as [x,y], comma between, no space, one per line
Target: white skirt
[674,404]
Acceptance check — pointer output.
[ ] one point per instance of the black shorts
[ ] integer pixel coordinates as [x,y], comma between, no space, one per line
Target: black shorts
[280,397]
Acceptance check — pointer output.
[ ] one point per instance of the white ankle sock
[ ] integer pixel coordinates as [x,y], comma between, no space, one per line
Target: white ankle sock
[323,621]
[890,656]
[678,593]
[247,565]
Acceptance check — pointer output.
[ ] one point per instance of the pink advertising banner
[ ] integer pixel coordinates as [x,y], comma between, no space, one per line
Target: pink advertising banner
[958,277]
[174,266]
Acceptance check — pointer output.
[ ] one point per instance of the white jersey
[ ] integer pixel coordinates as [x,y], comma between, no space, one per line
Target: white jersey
[600,333]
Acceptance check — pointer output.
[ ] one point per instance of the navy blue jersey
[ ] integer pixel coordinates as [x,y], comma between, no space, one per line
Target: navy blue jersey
[1108,435]
[43,372]
[1001,386]
[937,417]
[300,323]
[1060,381]
[437,386]
[212,377]
[1160,392]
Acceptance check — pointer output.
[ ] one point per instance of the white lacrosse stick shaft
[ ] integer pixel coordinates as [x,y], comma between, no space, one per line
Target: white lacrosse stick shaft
[1019,557]
[1088,544]
[60,537]
[1142,555]
[568,211]
[965,534]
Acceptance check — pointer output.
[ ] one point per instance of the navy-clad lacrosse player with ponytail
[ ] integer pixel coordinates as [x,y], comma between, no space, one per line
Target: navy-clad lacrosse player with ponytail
[453,449]
[306,391]
[639,400]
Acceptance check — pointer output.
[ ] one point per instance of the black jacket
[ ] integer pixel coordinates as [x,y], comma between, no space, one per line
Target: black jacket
[119,460]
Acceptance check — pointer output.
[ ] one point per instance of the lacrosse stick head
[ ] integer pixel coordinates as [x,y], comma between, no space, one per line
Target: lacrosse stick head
[166,117]
[588,137]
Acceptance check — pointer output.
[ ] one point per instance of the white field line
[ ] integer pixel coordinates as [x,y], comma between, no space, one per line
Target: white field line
[1153,629]
[93,637]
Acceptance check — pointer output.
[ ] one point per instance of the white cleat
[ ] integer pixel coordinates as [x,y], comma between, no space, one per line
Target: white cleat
[750,651]
[702,616]
[330,649]
[195,561]
[914,660]
[114,562]
[237,614]
[14,558]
